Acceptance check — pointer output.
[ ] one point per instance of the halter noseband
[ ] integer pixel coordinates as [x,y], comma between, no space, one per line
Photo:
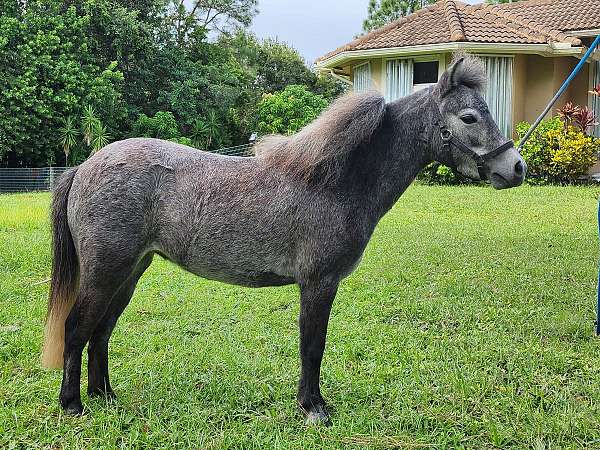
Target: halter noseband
[449,141]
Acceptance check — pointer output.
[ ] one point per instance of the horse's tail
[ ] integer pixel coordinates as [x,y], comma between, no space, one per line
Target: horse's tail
[65,275]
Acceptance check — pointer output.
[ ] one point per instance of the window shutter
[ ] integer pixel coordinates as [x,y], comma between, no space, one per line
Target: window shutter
[399,79]
[498,93]
[362,78]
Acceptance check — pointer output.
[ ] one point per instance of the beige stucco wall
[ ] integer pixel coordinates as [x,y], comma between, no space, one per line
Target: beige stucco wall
[376,73]
[535,81]
[519,88]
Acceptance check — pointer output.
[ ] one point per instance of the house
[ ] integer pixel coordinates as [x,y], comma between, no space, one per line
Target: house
[529,48]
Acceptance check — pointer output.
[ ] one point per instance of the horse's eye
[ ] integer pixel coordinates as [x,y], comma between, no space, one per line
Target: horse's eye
[468,119]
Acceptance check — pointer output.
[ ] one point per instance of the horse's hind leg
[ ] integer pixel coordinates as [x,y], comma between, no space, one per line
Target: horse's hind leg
[98,380]
[100,280]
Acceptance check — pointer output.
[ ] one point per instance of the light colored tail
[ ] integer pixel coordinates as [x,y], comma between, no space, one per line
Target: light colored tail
[65,275]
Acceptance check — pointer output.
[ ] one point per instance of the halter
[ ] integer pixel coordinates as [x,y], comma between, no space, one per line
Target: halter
[449,141]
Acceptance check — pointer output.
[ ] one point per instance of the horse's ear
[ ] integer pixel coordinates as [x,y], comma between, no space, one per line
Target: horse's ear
[449,79]
[466,71]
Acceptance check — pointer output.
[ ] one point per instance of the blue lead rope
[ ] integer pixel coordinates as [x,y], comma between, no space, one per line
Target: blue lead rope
[598,297]
[562,89]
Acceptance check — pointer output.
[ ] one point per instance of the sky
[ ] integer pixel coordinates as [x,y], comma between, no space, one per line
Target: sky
[313,27]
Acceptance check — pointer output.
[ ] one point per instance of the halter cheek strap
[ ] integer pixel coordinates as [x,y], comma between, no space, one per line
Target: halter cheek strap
[449,141]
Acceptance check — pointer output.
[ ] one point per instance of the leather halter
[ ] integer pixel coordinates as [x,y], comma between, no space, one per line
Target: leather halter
[449,141]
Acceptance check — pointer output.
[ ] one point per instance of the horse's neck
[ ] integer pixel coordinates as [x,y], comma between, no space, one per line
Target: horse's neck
[398,151]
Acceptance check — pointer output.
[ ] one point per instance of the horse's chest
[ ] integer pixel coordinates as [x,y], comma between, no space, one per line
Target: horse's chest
[348,269]
[344,258]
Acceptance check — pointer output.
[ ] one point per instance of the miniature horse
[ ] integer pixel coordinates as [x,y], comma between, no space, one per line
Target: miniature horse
[301,211]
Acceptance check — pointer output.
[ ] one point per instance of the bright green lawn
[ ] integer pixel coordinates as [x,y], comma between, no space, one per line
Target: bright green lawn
[468,323]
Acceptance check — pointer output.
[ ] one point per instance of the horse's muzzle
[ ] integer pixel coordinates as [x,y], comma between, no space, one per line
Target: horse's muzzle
[507,174]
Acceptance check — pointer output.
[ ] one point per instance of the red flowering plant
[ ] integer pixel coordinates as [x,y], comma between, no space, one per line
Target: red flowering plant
[585,119]
[568,113]
[596,91]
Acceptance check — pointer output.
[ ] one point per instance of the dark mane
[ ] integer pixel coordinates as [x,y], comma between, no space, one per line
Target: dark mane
[323,146]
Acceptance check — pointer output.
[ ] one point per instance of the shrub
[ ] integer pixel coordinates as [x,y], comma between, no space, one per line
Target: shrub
[436,173]
[289,110]
[163,126]
[183,140]
[558,152]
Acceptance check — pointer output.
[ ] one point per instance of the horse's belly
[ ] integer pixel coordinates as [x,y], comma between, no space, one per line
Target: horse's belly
[239,268]
[242,277]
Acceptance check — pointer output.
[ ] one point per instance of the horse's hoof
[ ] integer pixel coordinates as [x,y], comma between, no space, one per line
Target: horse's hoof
[318,416]
[74,409]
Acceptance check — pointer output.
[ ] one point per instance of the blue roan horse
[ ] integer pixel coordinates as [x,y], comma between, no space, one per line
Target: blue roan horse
[301,211]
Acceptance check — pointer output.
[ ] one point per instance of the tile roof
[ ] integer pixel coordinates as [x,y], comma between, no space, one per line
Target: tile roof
[523,22]
[564,15]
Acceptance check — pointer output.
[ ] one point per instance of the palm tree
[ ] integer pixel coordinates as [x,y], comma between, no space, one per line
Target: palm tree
[99,137]
[68,137]
[89,121]
[214,128]
[199,134]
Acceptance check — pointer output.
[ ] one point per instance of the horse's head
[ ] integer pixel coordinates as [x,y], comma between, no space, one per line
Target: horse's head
[470,140]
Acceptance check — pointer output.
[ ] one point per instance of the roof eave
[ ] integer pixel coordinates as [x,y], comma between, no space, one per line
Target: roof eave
[584,33]
[554,49]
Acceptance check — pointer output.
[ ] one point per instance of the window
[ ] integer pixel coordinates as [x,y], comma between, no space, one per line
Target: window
[498,93]
[405,76]
[399,79]
[594,99]
[426,72]
[362,77]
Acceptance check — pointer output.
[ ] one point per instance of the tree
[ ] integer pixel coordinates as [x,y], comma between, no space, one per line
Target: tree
[68,137]
[162,126]
[77,74]
[199,134]
[100,137]
[217,16]
[267,66]
[47,75]
[382,12]
[89,122]
[289,110]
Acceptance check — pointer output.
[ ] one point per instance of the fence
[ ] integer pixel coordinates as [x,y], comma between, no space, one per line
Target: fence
[27,179]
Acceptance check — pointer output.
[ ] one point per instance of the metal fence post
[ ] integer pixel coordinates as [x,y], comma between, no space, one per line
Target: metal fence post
[51,183]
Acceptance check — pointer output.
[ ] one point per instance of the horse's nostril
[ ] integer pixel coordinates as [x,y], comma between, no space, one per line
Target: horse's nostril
[519,169]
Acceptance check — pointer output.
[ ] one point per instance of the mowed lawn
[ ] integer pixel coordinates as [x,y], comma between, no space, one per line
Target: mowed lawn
[468,324]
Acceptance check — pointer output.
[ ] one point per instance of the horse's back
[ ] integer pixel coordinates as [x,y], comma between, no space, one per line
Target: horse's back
[220,217]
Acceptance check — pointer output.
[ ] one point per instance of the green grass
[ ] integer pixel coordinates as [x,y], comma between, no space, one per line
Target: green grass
[468,324]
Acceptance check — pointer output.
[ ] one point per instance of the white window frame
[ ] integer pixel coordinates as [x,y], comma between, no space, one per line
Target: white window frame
[439,57]
[358,66]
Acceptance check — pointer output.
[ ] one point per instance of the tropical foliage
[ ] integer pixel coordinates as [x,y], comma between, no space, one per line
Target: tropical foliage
[559,150]
[289,110]
[76,75]
[46,76]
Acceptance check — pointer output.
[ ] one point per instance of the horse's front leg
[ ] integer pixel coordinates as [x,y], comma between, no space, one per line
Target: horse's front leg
[316,298]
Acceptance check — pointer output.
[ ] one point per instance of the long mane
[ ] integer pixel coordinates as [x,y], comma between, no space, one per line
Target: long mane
[317,152]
